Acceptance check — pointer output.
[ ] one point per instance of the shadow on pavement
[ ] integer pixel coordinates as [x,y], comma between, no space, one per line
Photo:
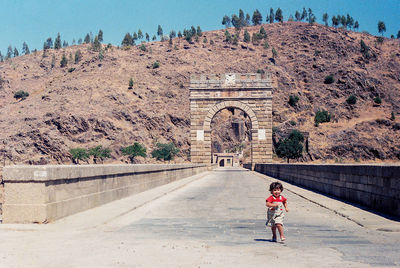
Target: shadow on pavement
[263,240]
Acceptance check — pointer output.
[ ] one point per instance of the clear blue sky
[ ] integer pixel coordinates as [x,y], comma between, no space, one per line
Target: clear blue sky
[33,21]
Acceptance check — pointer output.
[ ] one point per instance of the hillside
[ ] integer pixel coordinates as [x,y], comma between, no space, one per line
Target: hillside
[89,103]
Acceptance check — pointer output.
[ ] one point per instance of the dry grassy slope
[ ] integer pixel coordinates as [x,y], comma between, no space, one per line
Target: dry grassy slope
[92,105]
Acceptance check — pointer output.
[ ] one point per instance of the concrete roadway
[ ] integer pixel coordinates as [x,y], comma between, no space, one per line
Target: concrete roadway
[215,219]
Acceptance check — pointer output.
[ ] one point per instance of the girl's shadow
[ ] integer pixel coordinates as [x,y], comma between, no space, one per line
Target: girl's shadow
[263,240]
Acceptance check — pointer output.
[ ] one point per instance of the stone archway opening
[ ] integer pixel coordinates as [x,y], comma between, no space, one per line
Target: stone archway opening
[231,136]
[250,93]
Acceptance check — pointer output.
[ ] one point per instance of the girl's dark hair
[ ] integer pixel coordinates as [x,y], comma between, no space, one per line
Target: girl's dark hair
[275,185]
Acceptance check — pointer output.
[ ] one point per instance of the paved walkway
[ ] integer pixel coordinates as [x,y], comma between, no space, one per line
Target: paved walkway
[210,220]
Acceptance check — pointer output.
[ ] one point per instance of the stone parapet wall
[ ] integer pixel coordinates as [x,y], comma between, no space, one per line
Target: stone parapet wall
[39,194]
[373,186]
[248,166]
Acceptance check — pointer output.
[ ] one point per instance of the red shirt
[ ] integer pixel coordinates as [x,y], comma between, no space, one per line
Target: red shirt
[272,199]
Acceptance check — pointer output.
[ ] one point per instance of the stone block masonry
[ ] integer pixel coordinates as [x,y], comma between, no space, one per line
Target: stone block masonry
[40,194]
[251,93]
[373,186]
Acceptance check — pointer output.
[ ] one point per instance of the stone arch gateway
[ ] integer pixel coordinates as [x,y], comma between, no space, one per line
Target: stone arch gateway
[251,93]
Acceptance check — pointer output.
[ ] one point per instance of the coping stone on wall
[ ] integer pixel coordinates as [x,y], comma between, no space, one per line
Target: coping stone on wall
[70,172]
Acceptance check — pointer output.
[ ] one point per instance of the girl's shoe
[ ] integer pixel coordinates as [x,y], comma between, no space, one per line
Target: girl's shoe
[273,239]
[283,239]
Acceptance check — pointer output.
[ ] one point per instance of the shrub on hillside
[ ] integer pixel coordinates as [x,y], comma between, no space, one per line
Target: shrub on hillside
[78,154]
[228,36]
[156,65]
[322,117]
[165,152]
[99,153]
[235,40]
[392,116]
[291,147]
[380,39]
[378,100]
[133,151]
[364,49]
[351,100]
[329,79]
[246,36]
[96,45]
[130,83]
[20,94]
[143,47]
[128,40]
[78,56]
[53,61]
[254,39]
[293,99]
[274,53]
[263,33]
[199,32]
[2,81]
[63,61]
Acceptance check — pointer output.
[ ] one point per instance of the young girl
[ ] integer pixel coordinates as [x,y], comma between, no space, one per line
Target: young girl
[275,215]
